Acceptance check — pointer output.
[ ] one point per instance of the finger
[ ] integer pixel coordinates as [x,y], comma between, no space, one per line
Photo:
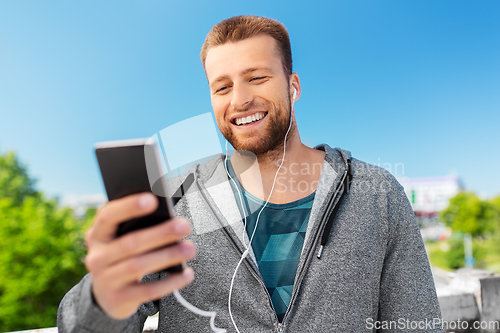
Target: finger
[117,211]
[145,292]
[123,303]
[137,242]
[133,269]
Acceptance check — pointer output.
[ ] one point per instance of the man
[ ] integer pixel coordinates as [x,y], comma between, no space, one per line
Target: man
[372,273]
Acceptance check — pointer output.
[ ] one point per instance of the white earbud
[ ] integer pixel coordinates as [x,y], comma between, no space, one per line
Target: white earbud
[294,94]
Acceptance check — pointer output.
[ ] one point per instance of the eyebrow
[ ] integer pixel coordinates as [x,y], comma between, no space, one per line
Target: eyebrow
[246,71]
[220,78]
[253,69]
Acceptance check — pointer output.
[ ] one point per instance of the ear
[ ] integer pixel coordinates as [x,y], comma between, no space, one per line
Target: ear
[294,87]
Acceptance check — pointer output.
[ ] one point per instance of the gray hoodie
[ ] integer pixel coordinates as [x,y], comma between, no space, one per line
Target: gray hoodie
[373,274]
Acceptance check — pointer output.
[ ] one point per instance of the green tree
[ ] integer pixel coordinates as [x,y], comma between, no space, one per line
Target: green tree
[469,214]
[14,180]
[41,251]
[495,204]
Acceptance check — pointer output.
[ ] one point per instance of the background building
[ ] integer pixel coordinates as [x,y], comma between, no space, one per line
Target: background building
[430,195]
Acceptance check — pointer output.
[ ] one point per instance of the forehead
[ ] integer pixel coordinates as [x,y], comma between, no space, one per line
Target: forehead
[232,59]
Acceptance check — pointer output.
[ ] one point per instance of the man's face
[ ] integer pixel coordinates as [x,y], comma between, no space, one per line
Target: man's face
[250,93]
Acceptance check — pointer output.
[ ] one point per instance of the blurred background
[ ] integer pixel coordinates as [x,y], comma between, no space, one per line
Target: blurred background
[411,86]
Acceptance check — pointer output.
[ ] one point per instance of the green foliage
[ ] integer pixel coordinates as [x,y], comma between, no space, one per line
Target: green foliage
[495,205]
[436,251]
[450,254]
[14,180]
[447,255]
[41,252]
[489,253]
[469,214]
[455,256]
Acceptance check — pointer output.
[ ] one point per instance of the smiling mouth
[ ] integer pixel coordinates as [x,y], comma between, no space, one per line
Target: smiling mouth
[249,119]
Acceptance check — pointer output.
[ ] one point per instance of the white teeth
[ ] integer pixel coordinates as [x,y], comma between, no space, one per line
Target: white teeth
[249,119]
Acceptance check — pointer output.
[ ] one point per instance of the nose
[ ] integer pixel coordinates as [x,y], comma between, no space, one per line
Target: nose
[241,97]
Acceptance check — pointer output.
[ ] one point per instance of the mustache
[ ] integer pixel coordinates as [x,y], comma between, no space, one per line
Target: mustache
[253,106]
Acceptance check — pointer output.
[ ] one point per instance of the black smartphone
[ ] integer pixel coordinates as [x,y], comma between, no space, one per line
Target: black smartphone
[130,167]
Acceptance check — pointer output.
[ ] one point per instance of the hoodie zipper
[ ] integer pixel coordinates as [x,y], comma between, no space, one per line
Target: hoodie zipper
[279,327]
[328,211]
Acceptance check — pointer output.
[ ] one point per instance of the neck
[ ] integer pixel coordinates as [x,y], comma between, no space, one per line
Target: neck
[297,178]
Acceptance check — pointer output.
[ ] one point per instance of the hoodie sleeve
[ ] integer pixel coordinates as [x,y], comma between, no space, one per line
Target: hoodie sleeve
[407,291]
[79,313]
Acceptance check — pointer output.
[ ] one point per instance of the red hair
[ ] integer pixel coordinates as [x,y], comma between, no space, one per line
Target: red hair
[237,28]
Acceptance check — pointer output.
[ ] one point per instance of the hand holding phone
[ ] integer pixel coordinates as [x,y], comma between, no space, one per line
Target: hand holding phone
[117,264]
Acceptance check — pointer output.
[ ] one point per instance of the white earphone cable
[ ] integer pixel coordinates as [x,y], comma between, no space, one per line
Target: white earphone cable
[239,194]
[199,312]
[244,255]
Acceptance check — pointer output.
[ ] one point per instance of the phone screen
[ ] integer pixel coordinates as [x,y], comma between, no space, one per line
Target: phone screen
[124,172]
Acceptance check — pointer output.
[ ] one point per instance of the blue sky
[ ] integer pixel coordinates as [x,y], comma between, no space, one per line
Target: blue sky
[415,82]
